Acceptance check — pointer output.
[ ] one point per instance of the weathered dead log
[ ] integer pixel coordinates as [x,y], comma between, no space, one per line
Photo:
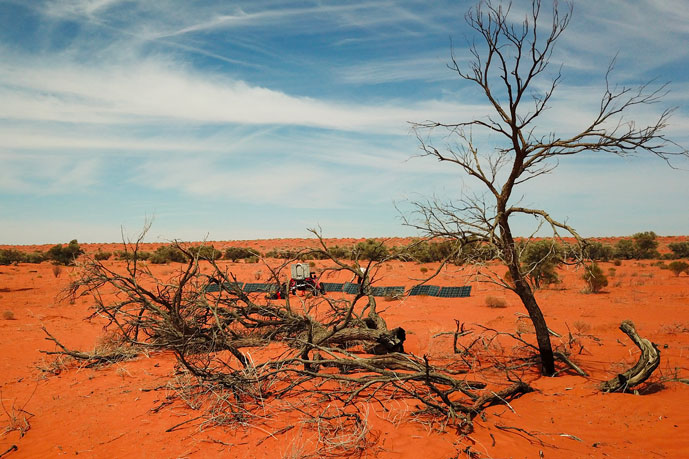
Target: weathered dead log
[648,362]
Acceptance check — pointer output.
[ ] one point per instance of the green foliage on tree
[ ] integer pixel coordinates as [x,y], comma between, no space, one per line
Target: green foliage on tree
[595,278]
[65,255]
[678,267]
[645,245]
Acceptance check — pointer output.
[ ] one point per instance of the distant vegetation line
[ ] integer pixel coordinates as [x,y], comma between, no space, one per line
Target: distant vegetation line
[545,252]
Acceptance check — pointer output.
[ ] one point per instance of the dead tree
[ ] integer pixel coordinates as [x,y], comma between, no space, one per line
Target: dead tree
[509,67]
[332,348]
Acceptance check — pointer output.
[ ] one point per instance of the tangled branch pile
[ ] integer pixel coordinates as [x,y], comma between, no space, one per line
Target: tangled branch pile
[249,351]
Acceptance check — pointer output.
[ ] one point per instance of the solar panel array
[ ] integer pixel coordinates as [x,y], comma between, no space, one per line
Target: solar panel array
[455,292]
[332,286]
[352,289]
[227,286]
[426,290]
[258,287]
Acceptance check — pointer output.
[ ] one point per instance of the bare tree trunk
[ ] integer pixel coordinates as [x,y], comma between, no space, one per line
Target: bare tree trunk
[522,288]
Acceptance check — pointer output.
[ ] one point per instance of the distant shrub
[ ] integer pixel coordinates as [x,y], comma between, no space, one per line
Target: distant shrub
[10,256]
[253,259]
[597,251]
[128,255]
[206,252]
[34,257]
[423,269]
[370,249]
[595,279]
[539,261]
[645,245]
[679,249]
[238,253]
[427,252]
[495,302]
[167,254]
[617,263]
[65,255]
[678,267]
[57,270]
[100,255]
[624,249]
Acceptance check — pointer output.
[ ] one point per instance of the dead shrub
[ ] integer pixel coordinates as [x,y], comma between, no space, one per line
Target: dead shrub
[8,315]
[495,302]
[57,270]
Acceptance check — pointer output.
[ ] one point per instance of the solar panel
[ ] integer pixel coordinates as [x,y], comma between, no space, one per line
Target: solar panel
[394,291]
[428,290]
[378,291]
[332,286]
[258,287]
[227,286]
[350,288]
[454,292]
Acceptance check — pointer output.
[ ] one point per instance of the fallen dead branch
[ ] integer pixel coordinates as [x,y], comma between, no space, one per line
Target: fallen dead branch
[647,363]
[242,356]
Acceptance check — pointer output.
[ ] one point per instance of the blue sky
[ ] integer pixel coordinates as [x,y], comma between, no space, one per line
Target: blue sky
[259,119]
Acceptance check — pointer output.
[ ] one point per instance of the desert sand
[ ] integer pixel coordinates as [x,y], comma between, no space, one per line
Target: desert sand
[126,409]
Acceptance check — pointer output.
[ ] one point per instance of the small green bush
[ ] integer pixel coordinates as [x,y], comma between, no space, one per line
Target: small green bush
[595,279]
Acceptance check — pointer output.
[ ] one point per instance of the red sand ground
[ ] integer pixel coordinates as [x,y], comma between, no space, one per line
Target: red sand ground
[109,411]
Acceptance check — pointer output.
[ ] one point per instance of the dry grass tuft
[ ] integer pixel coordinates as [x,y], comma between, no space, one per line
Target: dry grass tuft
[57,270]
